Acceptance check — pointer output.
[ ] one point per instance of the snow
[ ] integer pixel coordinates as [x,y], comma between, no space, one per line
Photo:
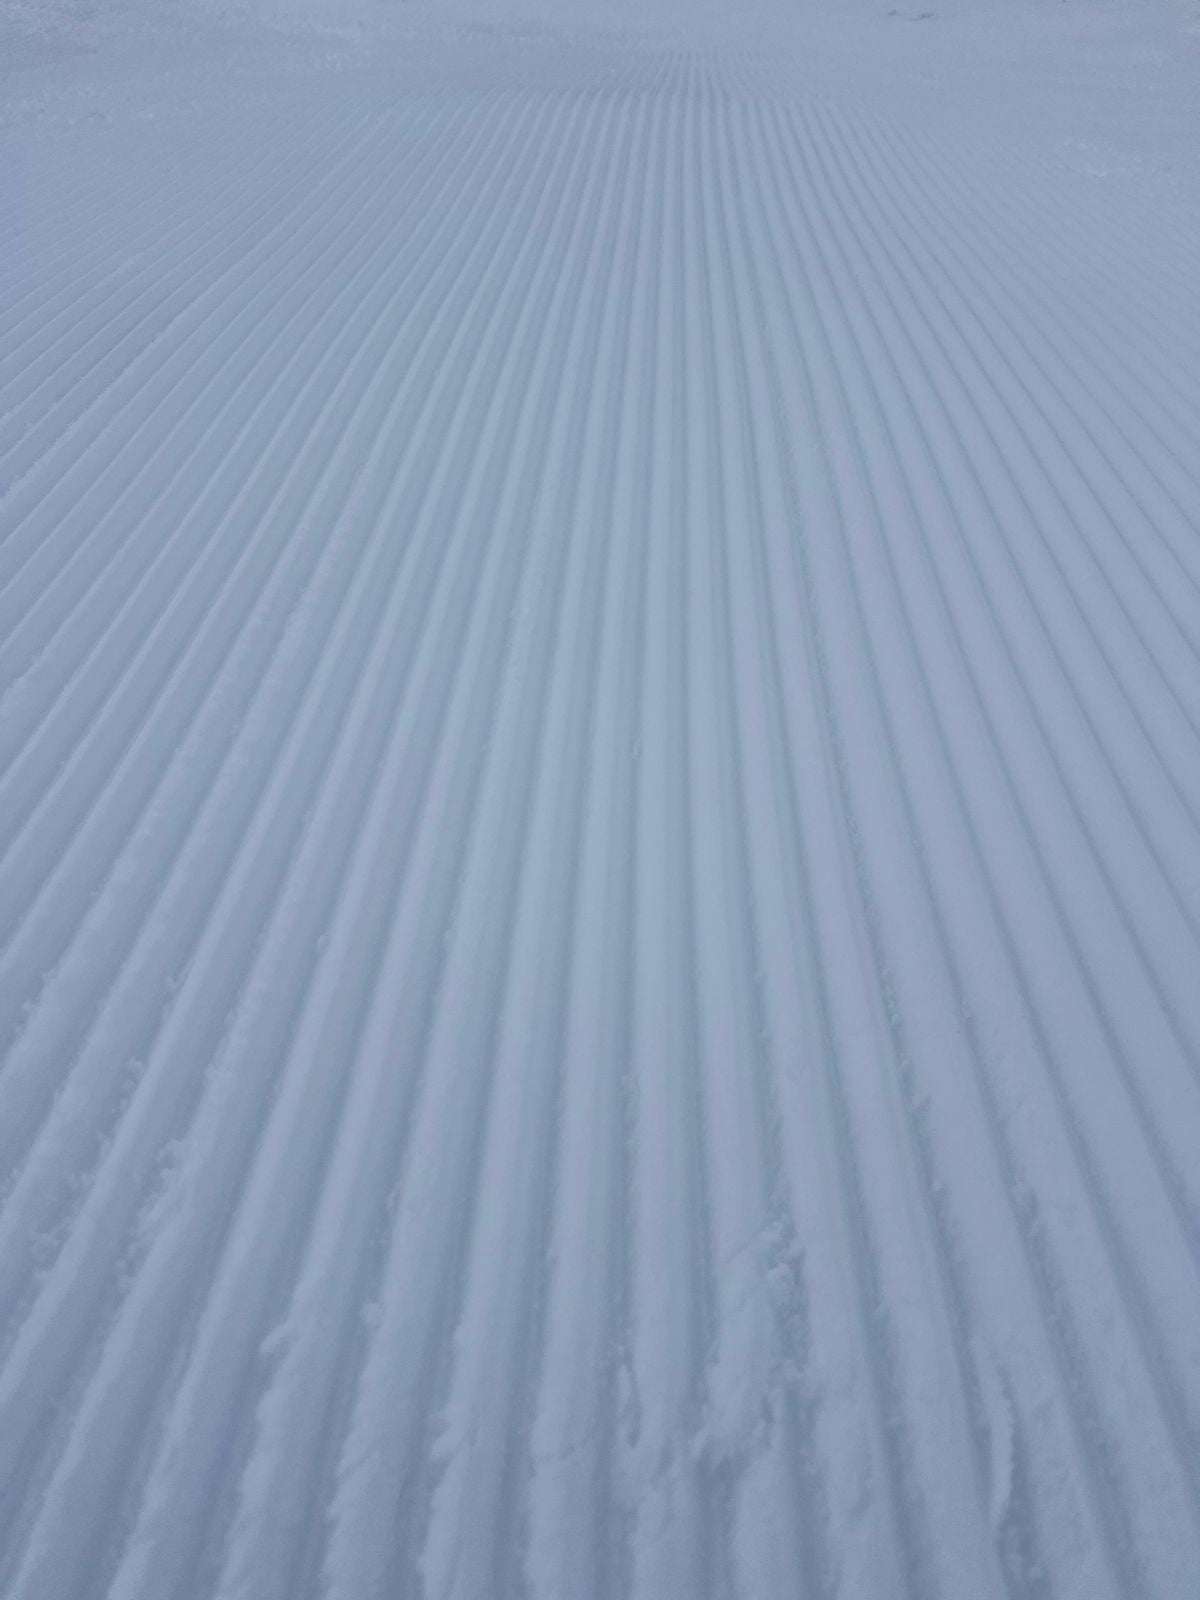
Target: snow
[599,800]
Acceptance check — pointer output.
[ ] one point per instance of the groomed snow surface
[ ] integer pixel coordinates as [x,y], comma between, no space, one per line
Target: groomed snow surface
[599,809]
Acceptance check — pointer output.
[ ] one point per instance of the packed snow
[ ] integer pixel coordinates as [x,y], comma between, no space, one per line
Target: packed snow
[599,800]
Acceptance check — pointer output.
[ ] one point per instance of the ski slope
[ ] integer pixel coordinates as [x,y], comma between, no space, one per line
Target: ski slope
[599,820]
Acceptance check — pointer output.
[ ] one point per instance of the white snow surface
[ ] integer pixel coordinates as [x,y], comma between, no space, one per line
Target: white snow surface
[599,800]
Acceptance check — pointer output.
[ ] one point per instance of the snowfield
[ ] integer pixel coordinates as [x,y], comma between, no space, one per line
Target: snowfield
[599,803]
